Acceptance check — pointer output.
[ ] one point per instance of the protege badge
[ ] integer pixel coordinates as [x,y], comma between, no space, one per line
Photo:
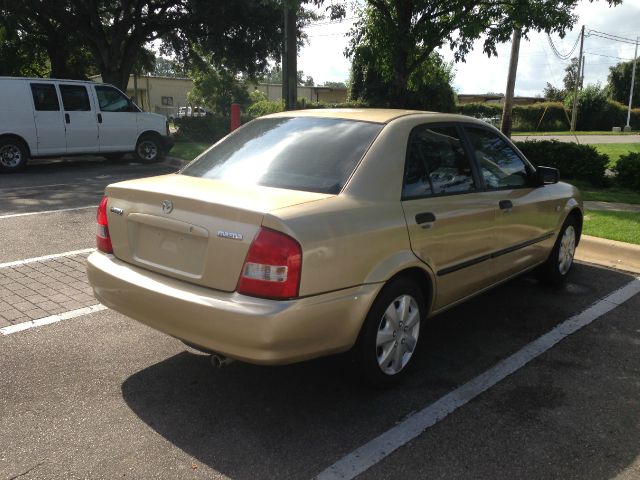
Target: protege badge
[231,235]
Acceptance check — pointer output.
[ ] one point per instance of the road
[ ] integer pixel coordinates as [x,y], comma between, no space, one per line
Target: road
[100,396]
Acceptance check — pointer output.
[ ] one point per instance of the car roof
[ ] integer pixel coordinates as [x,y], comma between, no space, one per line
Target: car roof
[377,115]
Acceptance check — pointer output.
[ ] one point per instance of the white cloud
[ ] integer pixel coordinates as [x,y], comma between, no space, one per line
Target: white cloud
[323,58]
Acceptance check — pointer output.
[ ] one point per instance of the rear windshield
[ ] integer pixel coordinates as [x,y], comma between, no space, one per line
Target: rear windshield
[300,153]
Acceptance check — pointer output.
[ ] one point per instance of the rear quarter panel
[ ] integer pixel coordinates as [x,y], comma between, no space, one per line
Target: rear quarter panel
[16,111]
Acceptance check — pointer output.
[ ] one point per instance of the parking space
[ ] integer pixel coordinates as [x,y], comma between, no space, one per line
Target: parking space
[100,396]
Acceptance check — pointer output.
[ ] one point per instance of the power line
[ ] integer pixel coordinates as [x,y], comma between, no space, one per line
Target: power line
[562,56]
[609,56]
[609,36]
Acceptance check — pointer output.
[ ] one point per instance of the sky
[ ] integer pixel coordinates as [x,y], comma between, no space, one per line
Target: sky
[323,57]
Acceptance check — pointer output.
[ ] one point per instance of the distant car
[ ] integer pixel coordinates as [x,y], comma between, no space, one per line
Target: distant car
[309,233]
[192,112]
[40,117]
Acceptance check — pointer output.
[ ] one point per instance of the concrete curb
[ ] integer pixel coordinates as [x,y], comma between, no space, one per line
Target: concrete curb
[609,253]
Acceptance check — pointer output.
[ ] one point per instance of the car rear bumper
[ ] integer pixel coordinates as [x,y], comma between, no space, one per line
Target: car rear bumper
[245,328]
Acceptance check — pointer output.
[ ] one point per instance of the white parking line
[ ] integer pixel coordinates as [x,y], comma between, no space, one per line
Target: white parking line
[17,263]
[380,447]
[52,319]
[13,215]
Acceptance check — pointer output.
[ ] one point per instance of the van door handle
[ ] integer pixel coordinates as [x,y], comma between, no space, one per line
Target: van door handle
[66,118]
[425,217]
[99,118]
[505,205]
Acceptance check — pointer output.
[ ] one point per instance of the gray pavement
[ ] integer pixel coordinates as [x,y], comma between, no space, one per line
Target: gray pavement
[581,138]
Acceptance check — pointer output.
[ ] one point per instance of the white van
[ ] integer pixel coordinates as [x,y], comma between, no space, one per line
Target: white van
[42,117]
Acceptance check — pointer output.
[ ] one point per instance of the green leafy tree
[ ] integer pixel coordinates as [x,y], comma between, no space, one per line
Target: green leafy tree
[217,89]
[619,82]
[405,33]
[241,35]
[165,67]
[274,75]
[334,84]
[553,94]
[570,76]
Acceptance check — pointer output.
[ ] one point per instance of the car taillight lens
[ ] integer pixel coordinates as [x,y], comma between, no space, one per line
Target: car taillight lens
[103,240]
[272,267]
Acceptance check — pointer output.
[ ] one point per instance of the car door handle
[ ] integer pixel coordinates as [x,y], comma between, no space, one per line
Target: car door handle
[67,118]
[425,217]
[99,118]
[505,205]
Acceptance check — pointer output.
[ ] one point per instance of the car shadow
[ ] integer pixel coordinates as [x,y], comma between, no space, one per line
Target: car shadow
[250,422]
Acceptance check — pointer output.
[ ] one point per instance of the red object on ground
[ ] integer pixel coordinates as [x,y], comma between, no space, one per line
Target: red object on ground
[235,116]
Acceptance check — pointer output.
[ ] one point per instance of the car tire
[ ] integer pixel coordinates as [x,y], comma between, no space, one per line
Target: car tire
[13,155]
[556,268]
[389,338]
[148,149]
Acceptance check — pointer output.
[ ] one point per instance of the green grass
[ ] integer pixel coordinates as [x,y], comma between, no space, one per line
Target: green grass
[614,150]
[621,226]
[563,133]
[188,150]
[608,194]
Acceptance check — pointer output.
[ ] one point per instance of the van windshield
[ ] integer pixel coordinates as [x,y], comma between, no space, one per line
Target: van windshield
[298,153]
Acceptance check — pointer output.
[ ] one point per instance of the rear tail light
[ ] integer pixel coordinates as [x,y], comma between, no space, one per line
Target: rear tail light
[272,267]
[103,240]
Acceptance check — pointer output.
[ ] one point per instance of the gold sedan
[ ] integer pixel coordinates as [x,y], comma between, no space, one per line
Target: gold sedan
[309,233]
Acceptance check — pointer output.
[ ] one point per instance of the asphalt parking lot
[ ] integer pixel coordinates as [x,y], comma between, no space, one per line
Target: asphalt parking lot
[91,394]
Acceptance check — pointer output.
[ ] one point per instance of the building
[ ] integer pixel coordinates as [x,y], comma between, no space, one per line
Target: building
[166,95]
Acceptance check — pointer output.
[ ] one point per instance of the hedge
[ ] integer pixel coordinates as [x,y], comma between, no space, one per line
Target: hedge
[628,170]
[582,162]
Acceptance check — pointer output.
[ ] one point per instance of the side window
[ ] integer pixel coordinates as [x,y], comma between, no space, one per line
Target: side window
[45,98]
[436,163]
[111,100]
[500,165]
[75,98]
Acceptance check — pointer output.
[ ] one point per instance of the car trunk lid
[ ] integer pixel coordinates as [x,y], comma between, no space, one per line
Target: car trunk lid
[194,229]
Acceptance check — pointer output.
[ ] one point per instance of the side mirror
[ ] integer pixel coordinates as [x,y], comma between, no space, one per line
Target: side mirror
[547,175]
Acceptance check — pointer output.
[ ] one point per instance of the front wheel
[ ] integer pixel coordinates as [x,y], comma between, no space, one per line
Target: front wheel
[148,149]
[390,334]
[555,270]
[13,155]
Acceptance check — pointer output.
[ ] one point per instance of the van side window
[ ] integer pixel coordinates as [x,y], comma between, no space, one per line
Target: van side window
[436,163]
[45,98]
[75,98]
[111,100]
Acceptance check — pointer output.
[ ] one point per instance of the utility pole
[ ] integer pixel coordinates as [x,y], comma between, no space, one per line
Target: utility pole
[505,127]
[633,78]
[290,57]
[574,112]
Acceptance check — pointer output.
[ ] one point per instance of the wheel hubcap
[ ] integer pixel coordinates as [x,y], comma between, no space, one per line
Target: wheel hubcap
[567,250]
[147,150]
[398,334]
[10,156]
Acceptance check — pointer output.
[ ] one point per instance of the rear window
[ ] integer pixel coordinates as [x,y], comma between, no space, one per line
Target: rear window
[300,153]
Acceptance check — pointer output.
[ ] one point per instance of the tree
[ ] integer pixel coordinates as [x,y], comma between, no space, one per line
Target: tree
[571,75]
[240,35]
[553,94]
[217,88]
[619,82]
[428,87]
[274,75]
[165,67]
[404,33]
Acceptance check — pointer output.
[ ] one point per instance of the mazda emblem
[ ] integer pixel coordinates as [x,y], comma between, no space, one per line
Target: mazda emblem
[167,206]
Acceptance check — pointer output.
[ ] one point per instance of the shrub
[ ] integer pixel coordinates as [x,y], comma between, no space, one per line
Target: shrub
[582,162]
[264,107]
[207,129]
[628,170]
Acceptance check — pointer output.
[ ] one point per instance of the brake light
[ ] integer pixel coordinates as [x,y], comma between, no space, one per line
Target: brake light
[103,240]
[272,267]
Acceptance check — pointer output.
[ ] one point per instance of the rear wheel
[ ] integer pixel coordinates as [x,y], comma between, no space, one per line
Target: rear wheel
[148,149]
[390,334]
[13,155]
[555,270]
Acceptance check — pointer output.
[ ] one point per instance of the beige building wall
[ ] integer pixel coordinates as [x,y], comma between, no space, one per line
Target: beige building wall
[273,91]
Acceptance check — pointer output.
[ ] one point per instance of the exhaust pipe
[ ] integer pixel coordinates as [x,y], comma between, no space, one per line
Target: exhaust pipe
[219,361]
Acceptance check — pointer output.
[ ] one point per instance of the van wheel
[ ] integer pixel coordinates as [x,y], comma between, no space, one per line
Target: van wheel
[555,270]
[389,337]
[13,155]
[148,149]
